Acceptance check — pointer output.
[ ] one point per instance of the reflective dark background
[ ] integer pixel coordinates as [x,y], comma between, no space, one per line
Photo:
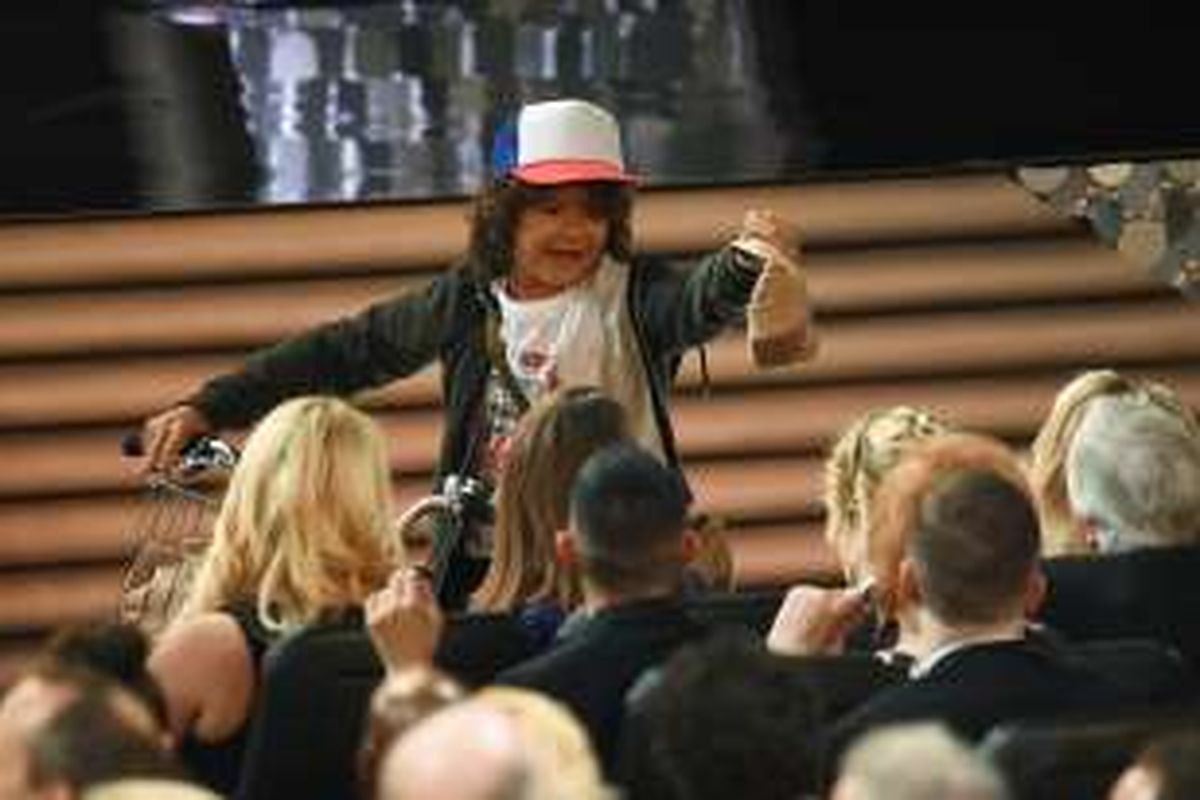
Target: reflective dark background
[175,106]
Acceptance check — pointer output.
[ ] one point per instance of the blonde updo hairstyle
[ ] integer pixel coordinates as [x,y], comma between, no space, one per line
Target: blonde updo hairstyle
[857,464]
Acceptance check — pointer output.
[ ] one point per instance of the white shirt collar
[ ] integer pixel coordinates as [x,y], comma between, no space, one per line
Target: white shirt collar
[923,666]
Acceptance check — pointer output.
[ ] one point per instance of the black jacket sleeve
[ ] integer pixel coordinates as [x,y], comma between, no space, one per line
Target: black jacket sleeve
[685,308]
[388,340]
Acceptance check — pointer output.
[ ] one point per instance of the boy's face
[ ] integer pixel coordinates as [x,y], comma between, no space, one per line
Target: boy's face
[557,243]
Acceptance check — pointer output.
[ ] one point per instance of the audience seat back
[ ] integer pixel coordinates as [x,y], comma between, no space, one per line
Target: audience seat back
[314,690]
[1076,757]
[752,610]
[309,714]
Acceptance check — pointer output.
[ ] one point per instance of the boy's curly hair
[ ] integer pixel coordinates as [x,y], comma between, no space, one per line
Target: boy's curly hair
[498,206]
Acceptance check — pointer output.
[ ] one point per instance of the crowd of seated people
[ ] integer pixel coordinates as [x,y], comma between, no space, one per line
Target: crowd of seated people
[982,593]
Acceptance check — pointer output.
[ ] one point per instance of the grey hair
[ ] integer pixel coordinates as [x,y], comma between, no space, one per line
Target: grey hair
[915,761]
[1133,471]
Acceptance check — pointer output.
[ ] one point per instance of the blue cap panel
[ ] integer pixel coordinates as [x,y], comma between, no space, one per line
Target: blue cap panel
[504,148]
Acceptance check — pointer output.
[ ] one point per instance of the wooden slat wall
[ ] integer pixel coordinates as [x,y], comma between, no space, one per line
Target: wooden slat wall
[959,293]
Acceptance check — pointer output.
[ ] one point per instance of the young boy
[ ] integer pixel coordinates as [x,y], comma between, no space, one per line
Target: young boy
[548,294]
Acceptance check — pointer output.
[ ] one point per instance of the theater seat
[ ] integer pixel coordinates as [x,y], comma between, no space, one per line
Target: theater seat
[1147,671]
[1078,757]
[309,713]
[314,689]
[752,610]
[475,647]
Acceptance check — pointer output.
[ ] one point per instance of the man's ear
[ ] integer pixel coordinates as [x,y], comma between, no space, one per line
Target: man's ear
[908,588]
[565,551]
[1035,592]
[689,545]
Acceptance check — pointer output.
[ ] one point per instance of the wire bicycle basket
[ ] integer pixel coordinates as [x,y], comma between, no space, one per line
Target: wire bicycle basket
[170,533]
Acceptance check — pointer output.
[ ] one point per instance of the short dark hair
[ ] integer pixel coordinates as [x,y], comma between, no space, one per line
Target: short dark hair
[498,206]
[93,740]
[628,515]
[724,718]
[975,542]
[115,650]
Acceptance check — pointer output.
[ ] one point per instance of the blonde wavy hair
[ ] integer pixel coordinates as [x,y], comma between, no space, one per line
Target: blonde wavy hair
[552,441]
[865,452]
[305,525]
[1048,454]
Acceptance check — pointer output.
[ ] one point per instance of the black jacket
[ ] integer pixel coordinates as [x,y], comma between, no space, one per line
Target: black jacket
[974,688]
[593,667]
[672,310]
[1152,592]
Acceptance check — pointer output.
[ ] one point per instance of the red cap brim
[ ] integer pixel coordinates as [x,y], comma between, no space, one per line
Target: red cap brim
[549,173]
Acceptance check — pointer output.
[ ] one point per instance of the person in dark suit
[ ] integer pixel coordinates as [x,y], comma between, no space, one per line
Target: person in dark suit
[967,577]
[1133,484]
[629,541]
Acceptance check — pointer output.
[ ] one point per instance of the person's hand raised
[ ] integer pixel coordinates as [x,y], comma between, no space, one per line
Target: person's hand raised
[404,620]
[778,317]
[815,621]
[764,227]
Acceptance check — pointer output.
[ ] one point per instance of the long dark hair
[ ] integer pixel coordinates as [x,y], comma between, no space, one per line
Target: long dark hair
[499,205]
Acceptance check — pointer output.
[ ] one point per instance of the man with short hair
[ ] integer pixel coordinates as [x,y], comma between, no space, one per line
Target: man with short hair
[968,576]
[629,541]
[724,718]
[63,729]
[1133,480]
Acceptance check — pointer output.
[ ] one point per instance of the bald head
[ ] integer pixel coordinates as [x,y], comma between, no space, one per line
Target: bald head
[429,760]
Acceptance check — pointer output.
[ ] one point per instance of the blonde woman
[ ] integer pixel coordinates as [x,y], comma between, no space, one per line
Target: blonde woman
[1047,472]
[551,443]
[868,449]
[303,533]
[857,464]
[815,620]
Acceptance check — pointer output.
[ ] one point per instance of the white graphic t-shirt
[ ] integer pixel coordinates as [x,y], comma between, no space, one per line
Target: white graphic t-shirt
[579,337]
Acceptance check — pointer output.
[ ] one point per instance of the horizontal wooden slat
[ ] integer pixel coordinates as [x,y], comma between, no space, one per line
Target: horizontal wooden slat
[928,275]
[1073,337]
[69,529]
[774,555]
[90,460]
[781,420]
[51,597]
[120,389]
[125,390]
[245,316]
[387,236]
[171,319]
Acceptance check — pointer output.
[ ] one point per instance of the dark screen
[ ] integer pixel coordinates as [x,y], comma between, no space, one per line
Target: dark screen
[163,107]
